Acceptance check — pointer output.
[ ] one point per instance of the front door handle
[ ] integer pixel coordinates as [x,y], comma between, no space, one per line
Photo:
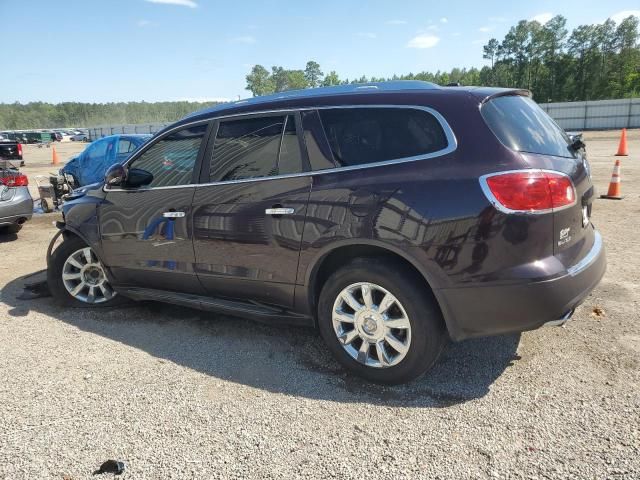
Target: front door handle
[173,214]
[279,211]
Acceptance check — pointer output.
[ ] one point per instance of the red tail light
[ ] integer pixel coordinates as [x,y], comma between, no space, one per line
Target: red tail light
[529,190]
[15,181]
[20,149]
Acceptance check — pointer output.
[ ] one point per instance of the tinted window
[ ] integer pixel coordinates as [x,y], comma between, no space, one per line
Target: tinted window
[289,160]
[172,159]
[254,148]
[520,124]
[366,135]
[318,149]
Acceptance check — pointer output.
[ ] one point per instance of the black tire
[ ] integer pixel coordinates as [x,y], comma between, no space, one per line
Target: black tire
[60,294]
[427,326]
[11,229]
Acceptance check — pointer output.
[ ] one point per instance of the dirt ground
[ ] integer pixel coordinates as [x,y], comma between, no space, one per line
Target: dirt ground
[177,393]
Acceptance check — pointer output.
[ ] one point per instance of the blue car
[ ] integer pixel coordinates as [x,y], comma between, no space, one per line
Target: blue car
[89,167]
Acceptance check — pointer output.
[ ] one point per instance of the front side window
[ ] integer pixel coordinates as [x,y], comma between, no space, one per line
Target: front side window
[359,136]
[255,147]
[171,160]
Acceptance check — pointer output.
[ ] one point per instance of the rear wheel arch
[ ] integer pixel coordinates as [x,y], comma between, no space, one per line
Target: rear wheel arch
[334,259]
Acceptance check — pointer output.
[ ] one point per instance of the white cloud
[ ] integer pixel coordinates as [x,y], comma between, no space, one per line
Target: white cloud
[444,20]
[618,17]
[396,22]
[542,18]
[246,39]
[366,35]
[423,41]
[433,27]
[485,29]
[181,3]
[144,23]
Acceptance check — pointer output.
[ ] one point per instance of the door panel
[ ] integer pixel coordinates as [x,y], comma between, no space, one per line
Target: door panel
[146,232]
[240,250]
[145,248]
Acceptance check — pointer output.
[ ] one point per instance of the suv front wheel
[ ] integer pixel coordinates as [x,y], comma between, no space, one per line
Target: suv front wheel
[76,277]
[380,321]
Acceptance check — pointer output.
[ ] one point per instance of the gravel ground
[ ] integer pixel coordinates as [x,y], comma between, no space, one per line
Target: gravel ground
[177,393]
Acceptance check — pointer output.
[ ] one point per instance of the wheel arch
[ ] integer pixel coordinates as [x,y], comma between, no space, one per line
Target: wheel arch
[332,258]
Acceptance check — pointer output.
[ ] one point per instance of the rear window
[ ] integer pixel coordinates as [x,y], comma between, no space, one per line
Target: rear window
[359,136]
[520,124]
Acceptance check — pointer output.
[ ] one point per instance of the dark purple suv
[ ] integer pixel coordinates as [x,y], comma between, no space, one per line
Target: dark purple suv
[390,216]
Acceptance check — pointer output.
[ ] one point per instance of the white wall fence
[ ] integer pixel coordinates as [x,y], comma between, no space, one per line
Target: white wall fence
[105,130]
[589,115]
[596,114]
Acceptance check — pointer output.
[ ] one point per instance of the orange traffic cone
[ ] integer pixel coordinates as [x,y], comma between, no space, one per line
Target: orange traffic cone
[622,148]
[614,192]
[54,157]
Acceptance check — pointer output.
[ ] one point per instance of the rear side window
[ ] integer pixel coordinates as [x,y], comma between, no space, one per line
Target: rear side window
[255,147]
[359,136]
[521,125]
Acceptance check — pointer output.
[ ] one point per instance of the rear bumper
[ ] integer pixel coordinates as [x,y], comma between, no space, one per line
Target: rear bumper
[18,208]
[477,311]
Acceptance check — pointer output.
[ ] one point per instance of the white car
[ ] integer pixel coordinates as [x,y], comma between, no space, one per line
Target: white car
[80,137]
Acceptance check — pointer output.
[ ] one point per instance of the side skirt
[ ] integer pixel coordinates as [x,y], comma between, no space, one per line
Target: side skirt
[254,311]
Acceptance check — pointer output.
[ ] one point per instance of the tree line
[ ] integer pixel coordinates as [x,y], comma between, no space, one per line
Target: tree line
[593,62]
[76,114]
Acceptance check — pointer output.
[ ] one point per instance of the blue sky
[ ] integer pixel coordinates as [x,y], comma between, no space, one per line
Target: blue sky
[152,50]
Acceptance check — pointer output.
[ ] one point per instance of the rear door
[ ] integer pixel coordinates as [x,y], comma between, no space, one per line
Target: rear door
[520,124]
[249,213]
[146,232]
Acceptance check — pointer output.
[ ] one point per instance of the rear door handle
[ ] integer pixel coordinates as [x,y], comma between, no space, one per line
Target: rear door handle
[279,211]
[173,214]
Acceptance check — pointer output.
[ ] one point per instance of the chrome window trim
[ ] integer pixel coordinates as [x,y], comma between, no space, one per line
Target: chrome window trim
[452,145]
[498,206]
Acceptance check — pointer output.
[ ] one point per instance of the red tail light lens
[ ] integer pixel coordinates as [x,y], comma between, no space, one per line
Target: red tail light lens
[15,181]
[20,149]
[530,190]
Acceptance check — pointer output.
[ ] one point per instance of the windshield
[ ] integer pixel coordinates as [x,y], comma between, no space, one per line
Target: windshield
[520,124]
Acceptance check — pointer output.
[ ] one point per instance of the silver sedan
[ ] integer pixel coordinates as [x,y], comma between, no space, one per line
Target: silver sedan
[16,207]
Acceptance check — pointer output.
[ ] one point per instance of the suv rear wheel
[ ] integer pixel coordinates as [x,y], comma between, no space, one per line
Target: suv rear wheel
[380,322]
[76,277]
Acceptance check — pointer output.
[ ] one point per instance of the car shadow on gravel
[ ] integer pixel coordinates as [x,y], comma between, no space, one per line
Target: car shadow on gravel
[280,359]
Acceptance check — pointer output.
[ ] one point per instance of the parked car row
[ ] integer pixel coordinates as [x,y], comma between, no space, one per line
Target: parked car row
[45,136]
[389,216]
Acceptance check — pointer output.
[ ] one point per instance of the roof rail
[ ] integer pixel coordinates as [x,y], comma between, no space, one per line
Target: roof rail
[390,86]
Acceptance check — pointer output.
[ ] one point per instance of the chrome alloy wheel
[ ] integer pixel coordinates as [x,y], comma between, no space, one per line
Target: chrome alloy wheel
[372,325]
[84,278]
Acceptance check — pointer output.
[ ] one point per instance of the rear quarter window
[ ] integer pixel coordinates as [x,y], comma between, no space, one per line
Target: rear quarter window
[360,136]
[521,125]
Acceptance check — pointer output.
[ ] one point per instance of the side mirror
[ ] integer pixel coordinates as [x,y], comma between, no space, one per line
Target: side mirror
[115,175]
[136,177]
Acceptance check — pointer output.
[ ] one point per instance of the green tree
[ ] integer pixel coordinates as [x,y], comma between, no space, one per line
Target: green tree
[313,74]
[259,82]
[331,79]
